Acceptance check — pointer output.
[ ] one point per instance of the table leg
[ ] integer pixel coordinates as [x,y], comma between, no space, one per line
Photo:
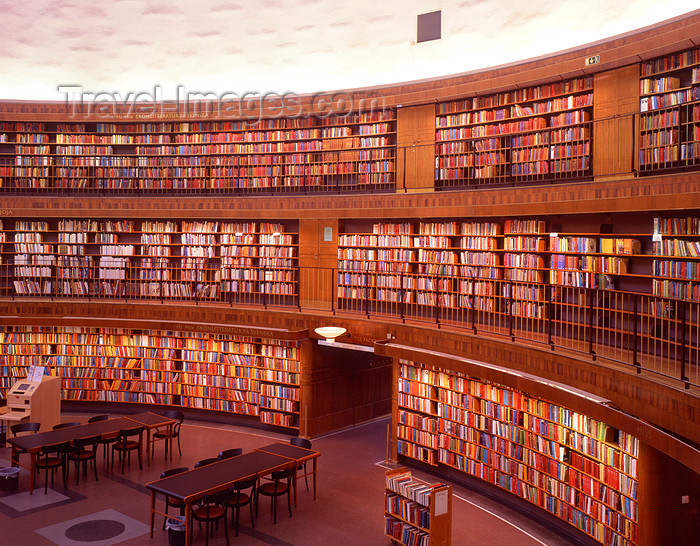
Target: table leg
[153,510]
[188,518]
[296,471]
[315,460]
[148,446]
[32,470]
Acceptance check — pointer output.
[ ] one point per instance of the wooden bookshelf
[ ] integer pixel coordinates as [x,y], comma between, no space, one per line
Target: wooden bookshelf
[224,373]
[356,150]
[198,276]
[669,121]
[34,259]
[74,265]
[568,464]
[115,258]
[239,252]
[524,271]
[155,272]
[417,513]
[480,266]
[676,266]
[522,135]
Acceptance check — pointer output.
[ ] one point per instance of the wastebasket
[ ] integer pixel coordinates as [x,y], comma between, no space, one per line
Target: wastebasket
[176,532]
[9,478]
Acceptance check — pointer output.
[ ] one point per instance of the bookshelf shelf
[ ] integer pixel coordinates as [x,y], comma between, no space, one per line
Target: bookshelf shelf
[669,123]
[517,136]
[246,376]
[417,513]
[579,469]
[357,150]
[676,248]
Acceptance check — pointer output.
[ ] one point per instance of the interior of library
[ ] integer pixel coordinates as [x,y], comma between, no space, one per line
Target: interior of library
[458,306]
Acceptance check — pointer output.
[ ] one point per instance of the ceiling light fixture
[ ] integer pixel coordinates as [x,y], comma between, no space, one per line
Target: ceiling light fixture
[330,332]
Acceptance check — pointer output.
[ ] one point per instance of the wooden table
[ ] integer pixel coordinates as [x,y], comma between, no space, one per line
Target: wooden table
[32,443]
[192,485]
[151,420]
[299,454]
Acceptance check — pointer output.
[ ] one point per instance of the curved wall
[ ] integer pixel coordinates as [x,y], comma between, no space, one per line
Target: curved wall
[667,406]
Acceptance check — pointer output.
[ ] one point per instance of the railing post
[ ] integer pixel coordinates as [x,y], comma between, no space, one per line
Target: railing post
[635,334]
[334,289]
[510,310]
[592,331]
[365,285]
[550,310]
[402,292]
[684,378]
[437,300]
[473,301]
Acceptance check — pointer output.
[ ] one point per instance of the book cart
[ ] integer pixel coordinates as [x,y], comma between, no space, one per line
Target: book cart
[417,513]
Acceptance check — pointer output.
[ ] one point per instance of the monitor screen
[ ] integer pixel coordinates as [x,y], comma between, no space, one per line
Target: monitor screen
[22,387]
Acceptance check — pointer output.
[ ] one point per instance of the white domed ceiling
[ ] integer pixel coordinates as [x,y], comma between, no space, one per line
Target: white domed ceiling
[280,46]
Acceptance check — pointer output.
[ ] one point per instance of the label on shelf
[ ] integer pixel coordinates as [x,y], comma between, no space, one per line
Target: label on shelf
[441,498]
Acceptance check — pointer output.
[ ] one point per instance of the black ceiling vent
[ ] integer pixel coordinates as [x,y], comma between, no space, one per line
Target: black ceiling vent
[429,26]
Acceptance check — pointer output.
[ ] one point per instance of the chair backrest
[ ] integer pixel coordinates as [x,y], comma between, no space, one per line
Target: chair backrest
[205,462]
[300,442]
[216,498]
[228,453]
[88,441]
[285,474]
[25,427]
[66,425]
[63,447]
[96,418]
[175,414]
[126,433]
[245,484]
[173,471]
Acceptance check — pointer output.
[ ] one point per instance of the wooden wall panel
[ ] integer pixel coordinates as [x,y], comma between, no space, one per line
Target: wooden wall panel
[664,517]
[318,259]
[415,139]
[615,105]
[347,387]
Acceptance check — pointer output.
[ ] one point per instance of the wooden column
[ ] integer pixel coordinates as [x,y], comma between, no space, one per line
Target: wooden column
[415,139]
[664,486]
[318,260]
[615,105]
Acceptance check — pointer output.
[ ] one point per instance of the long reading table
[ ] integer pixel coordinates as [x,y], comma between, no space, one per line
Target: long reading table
[32,443]
[190,486]
[300,454]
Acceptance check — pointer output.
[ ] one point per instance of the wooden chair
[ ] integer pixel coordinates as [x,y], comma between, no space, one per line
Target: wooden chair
[52,458]
[169,434]
[280,484]
[228,453]
[239,498]
[66,425]
[169,501]
[210,510]
[20,429]
[301,442]
[129,440]
[84,451]
[104,442]
[205,462]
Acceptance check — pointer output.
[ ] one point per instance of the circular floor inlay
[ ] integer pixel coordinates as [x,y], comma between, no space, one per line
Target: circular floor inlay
[94,530]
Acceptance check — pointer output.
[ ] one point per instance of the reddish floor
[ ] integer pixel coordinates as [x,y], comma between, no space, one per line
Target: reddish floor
[349,508]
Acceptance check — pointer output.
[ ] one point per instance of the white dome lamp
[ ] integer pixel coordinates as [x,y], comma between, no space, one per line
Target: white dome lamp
[330,332]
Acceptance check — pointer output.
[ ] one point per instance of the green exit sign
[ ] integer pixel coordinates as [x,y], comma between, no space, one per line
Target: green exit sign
[594,59]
